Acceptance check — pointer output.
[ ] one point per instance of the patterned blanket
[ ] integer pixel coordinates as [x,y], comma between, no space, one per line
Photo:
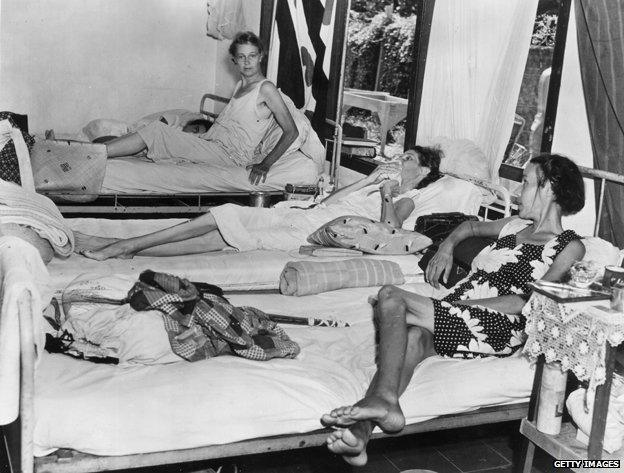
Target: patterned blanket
[201,323]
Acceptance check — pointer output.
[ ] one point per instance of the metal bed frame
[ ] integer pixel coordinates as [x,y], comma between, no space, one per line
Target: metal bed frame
[147,204]
[151,203]
[20,433]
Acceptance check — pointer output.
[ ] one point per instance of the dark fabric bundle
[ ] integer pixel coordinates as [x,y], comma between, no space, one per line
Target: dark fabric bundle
[463,254]
[9,165]
[201,323]
[440,225]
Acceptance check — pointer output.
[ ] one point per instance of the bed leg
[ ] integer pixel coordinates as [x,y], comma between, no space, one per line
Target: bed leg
[27,382]
[525,456]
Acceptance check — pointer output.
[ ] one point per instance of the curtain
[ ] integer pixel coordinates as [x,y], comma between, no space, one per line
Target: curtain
[475,64]
[300,53]
[600,27]
[571,134]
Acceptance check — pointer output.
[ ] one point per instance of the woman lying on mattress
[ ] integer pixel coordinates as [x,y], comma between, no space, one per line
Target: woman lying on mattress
[238,130]
[481,316]
[422,191]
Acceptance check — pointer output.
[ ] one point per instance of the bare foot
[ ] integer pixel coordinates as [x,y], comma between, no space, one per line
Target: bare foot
[350,443]
[84,242]
[118,249]
[386,414]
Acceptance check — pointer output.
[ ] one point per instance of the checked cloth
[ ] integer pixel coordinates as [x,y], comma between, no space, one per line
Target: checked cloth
[201,323]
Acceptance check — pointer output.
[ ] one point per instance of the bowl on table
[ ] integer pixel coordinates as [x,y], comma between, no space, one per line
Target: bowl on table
[584,273]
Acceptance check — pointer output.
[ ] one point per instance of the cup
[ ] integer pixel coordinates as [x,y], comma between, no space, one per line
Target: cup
[259,199]
[612,276]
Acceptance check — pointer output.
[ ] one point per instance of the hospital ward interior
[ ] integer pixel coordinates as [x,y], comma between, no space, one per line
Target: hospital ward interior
[253,236]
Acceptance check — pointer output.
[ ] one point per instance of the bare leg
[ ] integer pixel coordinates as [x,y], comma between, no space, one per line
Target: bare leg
[126,145]
[84,242]
[198,227]
[211,241]
[351,442]
[381,404]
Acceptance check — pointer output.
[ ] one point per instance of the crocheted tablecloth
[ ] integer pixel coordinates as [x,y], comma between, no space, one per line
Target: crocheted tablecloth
[574,334]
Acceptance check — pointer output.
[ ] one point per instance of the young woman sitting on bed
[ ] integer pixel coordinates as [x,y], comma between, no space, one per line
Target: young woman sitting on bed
[232,139]
[481,315]
[286,228]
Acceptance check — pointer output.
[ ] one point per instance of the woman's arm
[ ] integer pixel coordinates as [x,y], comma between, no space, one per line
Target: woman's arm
[442,261]
[275,103]
[513,304]
[394,213]
[380,173]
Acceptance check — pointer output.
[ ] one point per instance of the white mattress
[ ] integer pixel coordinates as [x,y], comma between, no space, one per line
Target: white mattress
[113,410]
[259,269]
[132,175]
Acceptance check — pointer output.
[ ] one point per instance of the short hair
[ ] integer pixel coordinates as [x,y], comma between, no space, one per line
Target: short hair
[200,121]
[565,179]
[431,158]
[245,37]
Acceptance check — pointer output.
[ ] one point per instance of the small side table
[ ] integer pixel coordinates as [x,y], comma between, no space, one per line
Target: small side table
[583,337]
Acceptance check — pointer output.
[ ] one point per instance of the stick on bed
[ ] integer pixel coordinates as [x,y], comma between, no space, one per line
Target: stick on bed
[278,318]
[311,321]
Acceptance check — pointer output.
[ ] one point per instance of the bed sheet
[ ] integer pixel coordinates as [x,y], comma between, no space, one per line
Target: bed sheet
[112,410]
[132,175]
[258,269]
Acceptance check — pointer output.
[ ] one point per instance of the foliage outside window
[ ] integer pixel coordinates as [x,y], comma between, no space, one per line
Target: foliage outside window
[379,56]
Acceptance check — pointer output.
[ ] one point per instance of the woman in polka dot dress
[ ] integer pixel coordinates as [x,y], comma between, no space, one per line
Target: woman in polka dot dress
[481,316]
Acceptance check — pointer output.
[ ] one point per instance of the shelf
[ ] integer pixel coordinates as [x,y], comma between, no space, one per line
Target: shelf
[563,446]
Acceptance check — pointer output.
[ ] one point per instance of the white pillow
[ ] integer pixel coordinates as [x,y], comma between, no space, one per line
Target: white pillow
[601,252]
[176,118]
[134,336]
[447,194]
[462,157]
[101,127]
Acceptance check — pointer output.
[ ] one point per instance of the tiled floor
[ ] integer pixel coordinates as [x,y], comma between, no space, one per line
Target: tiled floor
[483,449]
[469,450]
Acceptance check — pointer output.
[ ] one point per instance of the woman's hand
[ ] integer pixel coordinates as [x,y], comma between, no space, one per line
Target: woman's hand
[384,172]
[258,173]
[389,188]
[440,264]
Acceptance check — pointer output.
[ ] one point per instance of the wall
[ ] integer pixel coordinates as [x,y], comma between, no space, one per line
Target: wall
[66,62]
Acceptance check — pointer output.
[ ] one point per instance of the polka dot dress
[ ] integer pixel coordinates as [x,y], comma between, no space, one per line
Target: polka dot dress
[503,268]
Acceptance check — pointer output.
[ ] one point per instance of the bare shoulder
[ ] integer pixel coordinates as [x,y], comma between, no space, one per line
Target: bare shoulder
[268,89]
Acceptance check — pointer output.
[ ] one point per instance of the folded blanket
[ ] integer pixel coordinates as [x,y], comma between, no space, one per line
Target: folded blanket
[300,278]
[22,207]
[22,273]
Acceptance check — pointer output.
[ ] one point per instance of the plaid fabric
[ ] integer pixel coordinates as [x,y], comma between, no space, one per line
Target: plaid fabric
[9,166]
[201,323]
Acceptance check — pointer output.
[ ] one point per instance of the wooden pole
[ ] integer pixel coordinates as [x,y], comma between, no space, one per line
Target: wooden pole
[550,114]
[424,17]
